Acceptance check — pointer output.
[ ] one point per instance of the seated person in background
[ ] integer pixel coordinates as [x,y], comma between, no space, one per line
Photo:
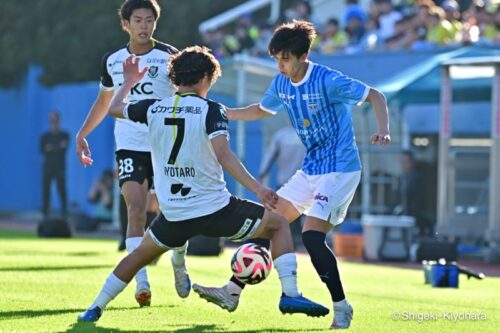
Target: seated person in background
[101,194]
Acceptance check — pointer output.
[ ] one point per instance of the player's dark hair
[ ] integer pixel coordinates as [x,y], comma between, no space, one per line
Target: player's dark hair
[192,64]
[129,6]
[293,37]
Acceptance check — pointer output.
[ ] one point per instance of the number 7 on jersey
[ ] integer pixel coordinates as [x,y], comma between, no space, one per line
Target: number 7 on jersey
[179,123]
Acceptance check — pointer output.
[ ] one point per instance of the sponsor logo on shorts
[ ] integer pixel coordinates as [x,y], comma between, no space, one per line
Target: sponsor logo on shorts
[321,197]
[321,200]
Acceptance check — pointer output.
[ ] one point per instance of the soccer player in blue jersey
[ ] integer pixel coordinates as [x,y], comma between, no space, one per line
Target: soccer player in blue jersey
[318,101]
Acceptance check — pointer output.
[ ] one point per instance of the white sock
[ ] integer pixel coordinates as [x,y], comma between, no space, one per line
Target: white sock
[286,265]
[179,255]
[112,287]
[233,288]
[342,303]
[142,276]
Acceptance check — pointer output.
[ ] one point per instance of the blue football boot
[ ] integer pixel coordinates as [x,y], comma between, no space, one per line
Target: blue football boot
[300,304]
[90,315]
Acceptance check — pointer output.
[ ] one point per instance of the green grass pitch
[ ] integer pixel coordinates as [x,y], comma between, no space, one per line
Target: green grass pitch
[45,283]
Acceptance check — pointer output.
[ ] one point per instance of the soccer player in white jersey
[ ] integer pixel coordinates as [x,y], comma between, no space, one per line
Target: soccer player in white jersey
[317,100]
[135,172]
[190,147]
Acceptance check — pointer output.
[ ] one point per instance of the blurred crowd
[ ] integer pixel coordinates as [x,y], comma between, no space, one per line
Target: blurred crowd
[385,25]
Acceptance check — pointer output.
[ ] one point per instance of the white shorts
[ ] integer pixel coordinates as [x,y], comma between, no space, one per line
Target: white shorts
[325,197]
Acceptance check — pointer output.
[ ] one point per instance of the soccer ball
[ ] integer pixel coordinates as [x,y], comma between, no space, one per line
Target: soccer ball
[251,263]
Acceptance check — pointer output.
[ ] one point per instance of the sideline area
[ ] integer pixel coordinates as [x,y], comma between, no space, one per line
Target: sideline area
[28,221]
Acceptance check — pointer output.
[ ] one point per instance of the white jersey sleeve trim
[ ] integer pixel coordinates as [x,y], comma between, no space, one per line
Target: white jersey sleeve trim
[365,95]
[214,134]
[101,87]
[125,112]
[267,110]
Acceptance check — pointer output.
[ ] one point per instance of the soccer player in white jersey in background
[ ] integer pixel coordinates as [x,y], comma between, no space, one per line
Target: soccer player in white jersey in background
[190,146]
[138,19]
[317,100]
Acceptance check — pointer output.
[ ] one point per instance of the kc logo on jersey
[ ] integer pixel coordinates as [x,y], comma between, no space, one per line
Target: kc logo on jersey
[153,72]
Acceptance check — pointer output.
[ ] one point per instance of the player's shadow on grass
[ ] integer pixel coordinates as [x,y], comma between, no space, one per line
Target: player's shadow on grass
[40,253]
[6,315]
[216,329]
[91,327]
[51,268]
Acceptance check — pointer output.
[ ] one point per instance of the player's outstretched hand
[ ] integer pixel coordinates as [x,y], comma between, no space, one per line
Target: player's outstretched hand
[381,138]
[267,197]
[131,70]
[83,151]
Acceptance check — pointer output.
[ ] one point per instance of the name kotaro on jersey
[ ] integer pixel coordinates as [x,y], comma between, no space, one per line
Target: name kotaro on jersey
[155,84]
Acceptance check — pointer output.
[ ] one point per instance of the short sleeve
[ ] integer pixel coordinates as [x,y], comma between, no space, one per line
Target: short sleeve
[271,102]
[344,89]
[106,80]
[138,111]
[216,122]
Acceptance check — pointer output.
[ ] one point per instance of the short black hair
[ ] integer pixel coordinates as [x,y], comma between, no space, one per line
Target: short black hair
[192,64]
[294,37]
[129,6]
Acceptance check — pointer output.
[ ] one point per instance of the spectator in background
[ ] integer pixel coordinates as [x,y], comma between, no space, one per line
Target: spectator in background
[263,39]
[53,146]
[422,12]
[101,194]
[355,29]
[353,9]
[452,12]
[214,40]
[370,39]
[387,19]
[288,151]
[243,39]
[439,30]
[404,35]
[410,196]
[302,10]
[492,29]
[331,39]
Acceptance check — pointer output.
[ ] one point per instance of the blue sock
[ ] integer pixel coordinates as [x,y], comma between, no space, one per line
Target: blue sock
[324,262]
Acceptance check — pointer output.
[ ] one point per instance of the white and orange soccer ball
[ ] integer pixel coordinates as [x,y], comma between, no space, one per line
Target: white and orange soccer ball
[251,263]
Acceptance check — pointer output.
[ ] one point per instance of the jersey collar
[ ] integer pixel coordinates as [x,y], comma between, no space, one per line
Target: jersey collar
[306,77]
[187,94]
[153,43]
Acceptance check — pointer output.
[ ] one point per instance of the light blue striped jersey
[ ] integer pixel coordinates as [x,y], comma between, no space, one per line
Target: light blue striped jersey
[319,107]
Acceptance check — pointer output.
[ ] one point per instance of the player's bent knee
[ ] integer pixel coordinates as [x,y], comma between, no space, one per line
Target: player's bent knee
[275,221]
